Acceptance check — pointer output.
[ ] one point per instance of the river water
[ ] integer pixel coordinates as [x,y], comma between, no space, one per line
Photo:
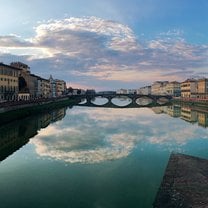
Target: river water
[85,157]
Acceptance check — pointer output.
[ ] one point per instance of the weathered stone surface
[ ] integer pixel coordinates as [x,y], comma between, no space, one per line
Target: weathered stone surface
[185,183]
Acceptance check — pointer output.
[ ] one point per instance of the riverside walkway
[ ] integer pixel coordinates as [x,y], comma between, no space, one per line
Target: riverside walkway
[185,183]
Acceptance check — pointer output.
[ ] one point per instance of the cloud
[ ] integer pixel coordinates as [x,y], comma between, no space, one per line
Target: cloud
[84,36]
[92,49]
[98,135]
[87,146]
[13,41]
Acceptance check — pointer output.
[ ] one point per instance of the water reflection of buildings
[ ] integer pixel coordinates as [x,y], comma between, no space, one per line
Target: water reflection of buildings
[189,115]
[203,119]
[186,113]
[16,134]
[174,111]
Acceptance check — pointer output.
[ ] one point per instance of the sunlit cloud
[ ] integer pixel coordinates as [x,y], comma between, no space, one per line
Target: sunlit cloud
[104,51]
[127,74]
[14,41]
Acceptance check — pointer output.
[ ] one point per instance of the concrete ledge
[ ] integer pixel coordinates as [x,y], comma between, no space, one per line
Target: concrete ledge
[185,183]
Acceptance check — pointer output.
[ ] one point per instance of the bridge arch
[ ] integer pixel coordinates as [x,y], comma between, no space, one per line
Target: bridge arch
[144,100]
[163,100]
[121,101]
[102,100]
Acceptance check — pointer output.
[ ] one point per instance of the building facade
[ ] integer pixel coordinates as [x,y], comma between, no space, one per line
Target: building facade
[203,119]
[28,82]
[52,87]
[173,89]
[189,88]
[131,91]
[144,90]
[9,83]
[17,83]
[122,91]
[23,95]
[188,115]
[43,88]
[202,88]
[60,87]
[159,88]
[33,86]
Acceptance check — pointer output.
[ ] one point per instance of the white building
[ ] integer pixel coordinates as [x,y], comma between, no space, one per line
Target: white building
[43,88]
[122,91]
[131,91]
[144,90]
[159,88]
[52,87]
[174,89]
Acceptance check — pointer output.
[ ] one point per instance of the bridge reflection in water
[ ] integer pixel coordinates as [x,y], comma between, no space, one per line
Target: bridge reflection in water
[18,133]
[125,100]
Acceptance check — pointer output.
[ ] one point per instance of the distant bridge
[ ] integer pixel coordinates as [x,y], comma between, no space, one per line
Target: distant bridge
[135,100]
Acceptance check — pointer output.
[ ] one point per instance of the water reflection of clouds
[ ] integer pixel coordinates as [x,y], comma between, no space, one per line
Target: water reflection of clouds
[73,146]
[91,135]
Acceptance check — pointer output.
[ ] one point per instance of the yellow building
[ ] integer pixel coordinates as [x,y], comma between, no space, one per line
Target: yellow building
[189,88]
[9,84]
[202,88]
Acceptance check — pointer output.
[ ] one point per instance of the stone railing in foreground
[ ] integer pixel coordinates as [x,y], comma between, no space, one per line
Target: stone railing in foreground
[185,183]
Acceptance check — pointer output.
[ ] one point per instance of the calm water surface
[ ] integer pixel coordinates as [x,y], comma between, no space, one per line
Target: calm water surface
[95,157]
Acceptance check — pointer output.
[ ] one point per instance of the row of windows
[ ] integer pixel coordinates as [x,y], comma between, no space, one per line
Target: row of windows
[7,79]
[46,86]
[185,85]
[8,97]
[9,72]
[8,89]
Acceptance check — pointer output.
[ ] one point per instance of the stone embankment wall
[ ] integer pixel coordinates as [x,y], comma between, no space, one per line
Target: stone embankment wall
[10,111]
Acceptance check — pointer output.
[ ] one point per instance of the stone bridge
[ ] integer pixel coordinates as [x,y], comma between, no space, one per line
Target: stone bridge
[134,100]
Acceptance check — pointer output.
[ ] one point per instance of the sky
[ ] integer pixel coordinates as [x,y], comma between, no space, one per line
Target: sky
[107,45]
